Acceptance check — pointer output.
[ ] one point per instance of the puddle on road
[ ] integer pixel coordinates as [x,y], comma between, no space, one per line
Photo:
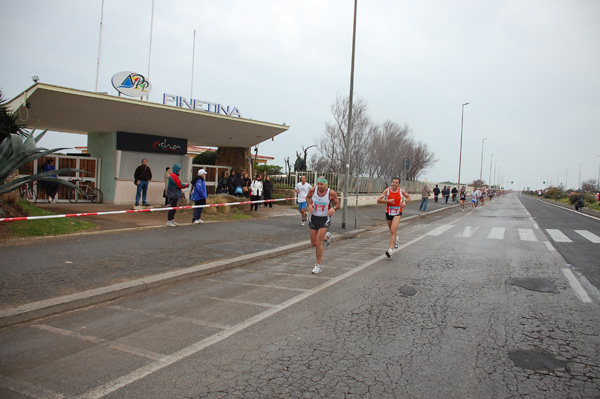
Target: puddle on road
[537,360]
[533,284]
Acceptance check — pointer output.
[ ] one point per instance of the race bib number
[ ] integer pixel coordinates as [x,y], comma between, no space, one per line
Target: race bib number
[393,210]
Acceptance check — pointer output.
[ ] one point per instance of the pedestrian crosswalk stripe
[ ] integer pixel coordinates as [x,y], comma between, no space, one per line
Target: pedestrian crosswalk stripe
[440,230]
[589,235]
[497,233]
[527,235]
[549,246]
[558,236]
[467,232]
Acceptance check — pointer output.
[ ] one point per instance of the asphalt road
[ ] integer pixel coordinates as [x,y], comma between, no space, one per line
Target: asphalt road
[474,304]
[574,235]
[50,267]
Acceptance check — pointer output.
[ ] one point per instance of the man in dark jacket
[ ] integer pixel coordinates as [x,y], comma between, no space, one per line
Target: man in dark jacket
[174,194]
[436,193]
[142,177]
[267,189]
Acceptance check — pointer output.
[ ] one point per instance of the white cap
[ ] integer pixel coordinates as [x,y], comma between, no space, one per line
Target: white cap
[201,172]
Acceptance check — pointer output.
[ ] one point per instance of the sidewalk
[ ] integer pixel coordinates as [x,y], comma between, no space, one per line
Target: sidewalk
[138,277]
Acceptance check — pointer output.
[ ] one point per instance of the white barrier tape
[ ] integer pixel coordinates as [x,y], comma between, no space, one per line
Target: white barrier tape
[70,215]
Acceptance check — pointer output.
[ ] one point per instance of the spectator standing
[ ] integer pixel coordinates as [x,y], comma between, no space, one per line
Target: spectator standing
[267,189]
[424,198]
[454,193]
[246,188]
[231,182]
[198,195]
[51,187]
[174,194]
[167,174]
[446,194]
[436,193]
[238,184]
[142,177]
[223,187]
[256,187]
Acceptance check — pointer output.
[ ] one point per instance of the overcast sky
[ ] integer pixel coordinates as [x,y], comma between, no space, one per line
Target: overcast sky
[530,70]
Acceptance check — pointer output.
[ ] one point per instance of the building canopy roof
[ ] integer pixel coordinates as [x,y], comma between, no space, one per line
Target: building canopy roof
[76,111]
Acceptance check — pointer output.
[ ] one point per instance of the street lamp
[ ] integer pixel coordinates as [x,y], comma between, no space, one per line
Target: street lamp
[462,114]
[579,185]
[348,136]
[481,167]
[491,159]
[598,186]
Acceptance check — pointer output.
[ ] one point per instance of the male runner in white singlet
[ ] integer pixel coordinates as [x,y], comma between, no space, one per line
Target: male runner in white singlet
[302,189]
[319,201]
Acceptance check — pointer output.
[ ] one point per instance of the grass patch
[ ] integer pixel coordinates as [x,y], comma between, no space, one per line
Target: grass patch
[45,227]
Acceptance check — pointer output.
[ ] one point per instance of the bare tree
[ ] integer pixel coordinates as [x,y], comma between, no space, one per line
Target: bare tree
[332,146]
[377,150]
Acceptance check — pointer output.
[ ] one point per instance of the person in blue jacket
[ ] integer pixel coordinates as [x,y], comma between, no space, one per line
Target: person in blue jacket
[198,195]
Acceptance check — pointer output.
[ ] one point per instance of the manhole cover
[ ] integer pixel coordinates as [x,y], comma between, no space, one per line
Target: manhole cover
[407,291]
[537,360]
[533,284]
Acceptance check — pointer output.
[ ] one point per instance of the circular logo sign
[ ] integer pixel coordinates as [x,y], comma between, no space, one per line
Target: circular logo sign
[131,84]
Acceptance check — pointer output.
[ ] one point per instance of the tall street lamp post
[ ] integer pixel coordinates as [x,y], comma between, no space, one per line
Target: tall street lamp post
[462,114]
[348,136]
[579,185]
[490,179]
[481,167]
[598,184]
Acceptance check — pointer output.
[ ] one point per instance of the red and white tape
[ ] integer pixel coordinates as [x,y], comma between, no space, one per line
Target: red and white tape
[72,215]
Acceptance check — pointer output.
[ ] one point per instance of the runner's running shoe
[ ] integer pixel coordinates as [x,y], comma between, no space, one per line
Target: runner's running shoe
[316,269]
[397,243]
[328,239]
[389,253]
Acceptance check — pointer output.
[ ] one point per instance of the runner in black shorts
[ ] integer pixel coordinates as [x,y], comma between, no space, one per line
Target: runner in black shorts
[319,201]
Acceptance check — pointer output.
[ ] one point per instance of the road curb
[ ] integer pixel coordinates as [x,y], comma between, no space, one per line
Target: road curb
[48,307]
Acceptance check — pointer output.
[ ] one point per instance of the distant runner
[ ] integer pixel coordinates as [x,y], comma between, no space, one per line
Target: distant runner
[463,197]
[319,201]
[302,189]
[395,199]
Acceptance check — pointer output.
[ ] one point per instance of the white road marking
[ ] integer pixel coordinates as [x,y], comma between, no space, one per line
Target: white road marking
[27,388]
[558,235]
[166,361]
[100,341]
[440,230]
[549,246]
[496,233]
[468,232]
[527,235]
[576,286]
[590,236]
[535,225]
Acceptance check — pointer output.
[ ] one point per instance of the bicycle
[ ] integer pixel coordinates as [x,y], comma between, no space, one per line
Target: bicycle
[85,192]
[27,192]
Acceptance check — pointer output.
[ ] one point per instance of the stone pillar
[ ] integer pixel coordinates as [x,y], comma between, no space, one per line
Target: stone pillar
[236,157]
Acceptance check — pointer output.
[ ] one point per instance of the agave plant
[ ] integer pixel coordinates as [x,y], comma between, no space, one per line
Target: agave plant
[16,152]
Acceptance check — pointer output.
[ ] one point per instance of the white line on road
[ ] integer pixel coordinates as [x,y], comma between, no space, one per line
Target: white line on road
[589,235]
[527,235]
[558,236]
[27,388]
[549,246]
[142,372]
[468,232]
[496,233]
[440,230]
[579,291]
